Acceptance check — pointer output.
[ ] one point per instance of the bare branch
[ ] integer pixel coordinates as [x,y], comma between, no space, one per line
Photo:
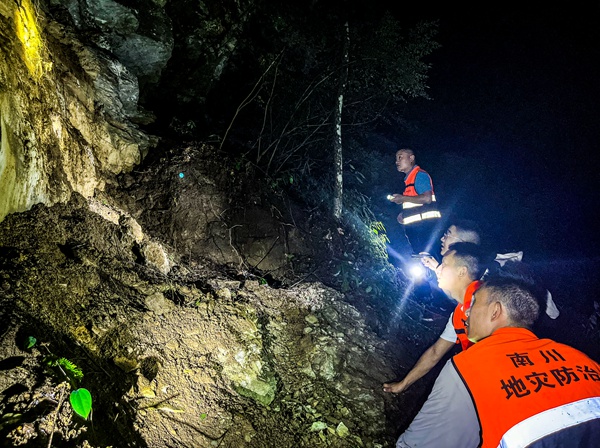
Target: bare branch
[253,93]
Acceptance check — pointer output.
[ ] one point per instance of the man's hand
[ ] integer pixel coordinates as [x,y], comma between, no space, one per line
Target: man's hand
[398,198]
[394,388]
[429,262]
[425,363]
[400,218]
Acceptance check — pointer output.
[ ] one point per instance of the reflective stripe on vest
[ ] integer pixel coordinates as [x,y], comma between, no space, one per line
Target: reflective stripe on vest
[407,205]
[548,422]
[421,212]
[421,217]
[512,376]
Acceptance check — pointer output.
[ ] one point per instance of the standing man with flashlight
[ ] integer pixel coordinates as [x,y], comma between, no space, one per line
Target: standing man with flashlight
[419,207]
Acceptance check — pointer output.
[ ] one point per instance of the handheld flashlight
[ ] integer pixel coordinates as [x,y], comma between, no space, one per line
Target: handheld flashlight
[390,197]
[421,255]
[417,272]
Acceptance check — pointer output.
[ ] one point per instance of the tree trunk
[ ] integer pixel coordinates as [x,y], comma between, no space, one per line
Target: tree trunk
[337,120]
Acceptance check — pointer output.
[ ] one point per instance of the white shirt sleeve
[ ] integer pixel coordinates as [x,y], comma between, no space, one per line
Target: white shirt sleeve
[449,334]
[551,309]
[447,419]
[501,259]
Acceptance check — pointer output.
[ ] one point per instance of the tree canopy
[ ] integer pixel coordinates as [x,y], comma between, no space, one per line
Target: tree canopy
[288,69]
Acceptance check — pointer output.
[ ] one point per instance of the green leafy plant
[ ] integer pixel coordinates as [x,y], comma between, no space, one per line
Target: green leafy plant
[378,229]
[80,398]
[81,402]
[70,370]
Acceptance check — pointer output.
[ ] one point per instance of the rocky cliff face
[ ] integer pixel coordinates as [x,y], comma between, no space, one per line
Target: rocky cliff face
[152,277]
[67,111]
[71,76]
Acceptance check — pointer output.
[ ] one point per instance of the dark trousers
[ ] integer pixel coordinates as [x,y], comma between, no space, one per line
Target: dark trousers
[424,236]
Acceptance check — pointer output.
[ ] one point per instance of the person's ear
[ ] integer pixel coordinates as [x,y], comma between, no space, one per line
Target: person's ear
[462,271]
[497,310]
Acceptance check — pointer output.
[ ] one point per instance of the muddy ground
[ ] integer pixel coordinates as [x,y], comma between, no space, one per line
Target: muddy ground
[156,293]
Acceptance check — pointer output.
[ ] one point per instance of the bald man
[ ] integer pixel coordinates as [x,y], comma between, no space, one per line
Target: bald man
[419,213]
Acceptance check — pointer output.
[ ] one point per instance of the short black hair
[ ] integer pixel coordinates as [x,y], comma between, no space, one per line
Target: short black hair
[472,256]
[517,287]
[408,150]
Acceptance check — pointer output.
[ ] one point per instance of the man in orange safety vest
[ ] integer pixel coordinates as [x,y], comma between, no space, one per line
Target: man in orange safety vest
[458,275]
[510,389]
[419,206]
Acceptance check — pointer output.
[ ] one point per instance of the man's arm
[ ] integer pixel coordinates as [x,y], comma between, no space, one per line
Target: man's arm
[424,198]
[424,190]
[425,363]
[447,419]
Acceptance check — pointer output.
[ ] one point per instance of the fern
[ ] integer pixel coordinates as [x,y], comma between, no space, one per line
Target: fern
[71,370]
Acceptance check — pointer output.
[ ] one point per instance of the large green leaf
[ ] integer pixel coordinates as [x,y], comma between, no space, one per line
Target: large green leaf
[81,401]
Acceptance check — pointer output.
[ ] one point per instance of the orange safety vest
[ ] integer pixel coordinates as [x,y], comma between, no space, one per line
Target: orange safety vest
[525,389]
[412,212]
[459,316]
[409,182]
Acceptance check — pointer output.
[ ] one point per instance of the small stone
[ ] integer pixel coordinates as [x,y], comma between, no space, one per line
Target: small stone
[172,344]
[311,319]
[224,293]
[342,430]
[147,392]
[159,304]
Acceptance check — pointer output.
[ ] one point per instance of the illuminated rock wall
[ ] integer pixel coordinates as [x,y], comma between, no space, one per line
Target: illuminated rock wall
[66,112]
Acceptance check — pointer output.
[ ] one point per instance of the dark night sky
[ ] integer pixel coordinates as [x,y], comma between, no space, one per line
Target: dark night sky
[511,133]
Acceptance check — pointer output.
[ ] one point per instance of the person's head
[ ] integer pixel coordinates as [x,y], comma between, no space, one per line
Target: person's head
[405,160]
[460,231]
[503,301]
[462,264]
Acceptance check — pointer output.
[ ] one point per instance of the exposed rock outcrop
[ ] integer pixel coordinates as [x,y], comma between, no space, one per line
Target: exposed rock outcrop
[190,358]
[67,111]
